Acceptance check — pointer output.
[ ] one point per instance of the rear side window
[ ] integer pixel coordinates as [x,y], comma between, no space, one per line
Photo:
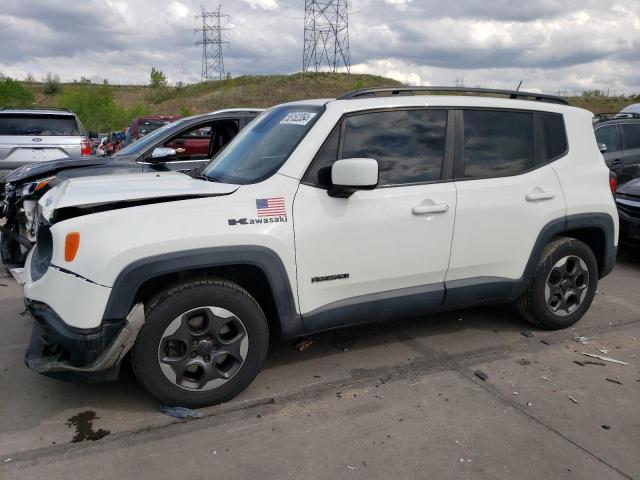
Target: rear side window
[408,145]
[608,135]
[631,135]
[146,126]
[555,136]
[39,125]
[497,143]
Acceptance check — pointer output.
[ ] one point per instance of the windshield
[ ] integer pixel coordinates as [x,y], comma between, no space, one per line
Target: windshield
[140,146]
[263,146]
[45,125]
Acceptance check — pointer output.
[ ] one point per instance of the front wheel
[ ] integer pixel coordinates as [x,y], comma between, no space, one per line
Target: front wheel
[563,286]
[203,342]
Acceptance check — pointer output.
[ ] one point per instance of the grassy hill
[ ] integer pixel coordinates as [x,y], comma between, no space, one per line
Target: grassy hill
[110,107]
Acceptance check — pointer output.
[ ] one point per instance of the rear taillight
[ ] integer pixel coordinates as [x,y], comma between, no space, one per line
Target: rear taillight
[85,147]
[613,182]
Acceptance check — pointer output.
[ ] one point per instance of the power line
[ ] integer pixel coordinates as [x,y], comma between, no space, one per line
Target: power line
[211,42]
[326,35]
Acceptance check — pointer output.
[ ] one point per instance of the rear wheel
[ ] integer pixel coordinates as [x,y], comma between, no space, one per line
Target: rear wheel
[563,286]
[203,342]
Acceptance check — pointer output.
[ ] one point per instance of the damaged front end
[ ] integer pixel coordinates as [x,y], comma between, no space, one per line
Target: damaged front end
[60,351]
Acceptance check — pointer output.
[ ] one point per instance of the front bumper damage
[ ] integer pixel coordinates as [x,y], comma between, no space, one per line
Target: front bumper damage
[60,351]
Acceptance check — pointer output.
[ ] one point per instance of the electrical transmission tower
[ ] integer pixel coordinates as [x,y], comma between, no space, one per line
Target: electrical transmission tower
[326,35]
[212,58]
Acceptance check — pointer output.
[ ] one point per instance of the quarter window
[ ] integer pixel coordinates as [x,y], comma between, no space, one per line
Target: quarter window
[555,137]
[497,143]
[408,145]
[609,136]
[631,135]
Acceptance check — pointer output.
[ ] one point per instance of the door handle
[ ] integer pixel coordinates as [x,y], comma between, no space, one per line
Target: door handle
[538,195]
[616,162]
[430,208]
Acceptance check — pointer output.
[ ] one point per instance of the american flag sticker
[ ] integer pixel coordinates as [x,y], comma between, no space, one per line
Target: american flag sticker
[271,207]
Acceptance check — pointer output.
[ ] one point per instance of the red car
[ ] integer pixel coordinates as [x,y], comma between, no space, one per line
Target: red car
[141,126]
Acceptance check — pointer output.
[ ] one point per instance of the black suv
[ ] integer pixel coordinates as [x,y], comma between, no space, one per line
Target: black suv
[619,142]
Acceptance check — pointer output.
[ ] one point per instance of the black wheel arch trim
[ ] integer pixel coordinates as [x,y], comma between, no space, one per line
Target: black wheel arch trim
[132,277]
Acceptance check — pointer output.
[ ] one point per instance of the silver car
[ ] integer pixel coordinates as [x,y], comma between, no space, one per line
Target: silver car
[28,136]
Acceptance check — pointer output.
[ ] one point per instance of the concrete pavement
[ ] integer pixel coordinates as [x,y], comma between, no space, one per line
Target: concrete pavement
[396,400]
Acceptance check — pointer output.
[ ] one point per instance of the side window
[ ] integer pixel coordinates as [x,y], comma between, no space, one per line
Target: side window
[408,145]
[631,135]
[555,136]
[609,136]
[497,143]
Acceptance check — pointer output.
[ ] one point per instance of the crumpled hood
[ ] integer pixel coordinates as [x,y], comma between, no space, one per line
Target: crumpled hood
[40,170]
[86,192]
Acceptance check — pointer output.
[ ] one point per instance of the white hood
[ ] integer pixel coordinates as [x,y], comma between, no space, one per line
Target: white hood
[105,189]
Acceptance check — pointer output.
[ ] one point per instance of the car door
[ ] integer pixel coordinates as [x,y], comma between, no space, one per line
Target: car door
[507,193]
[630,157]
[609,136]
[384,252]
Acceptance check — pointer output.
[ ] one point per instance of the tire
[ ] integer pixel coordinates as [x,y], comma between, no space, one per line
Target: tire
[203,342]
[563,286]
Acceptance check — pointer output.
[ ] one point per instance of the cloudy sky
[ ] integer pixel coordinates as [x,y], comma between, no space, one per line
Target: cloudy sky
[549,44]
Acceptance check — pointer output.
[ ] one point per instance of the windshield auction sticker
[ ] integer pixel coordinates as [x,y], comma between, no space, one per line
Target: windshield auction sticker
[298,118]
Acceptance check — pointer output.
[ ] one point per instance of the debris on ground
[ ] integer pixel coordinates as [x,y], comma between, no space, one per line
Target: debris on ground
[343,342]
[582,364]
[349,467]
[83,423]
[613,380]
[603,350]
[572,399]
[546,341]
[529,404]
[604,359]
[583,340]
[481,375]
[522,361]
[179,412]
[528,333]
[304,344]
[606,427]
[546,379]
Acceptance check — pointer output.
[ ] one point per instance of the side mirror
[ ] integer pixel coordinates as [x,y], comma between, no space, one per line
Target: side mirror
[353,174]
[602,147]
[160,154]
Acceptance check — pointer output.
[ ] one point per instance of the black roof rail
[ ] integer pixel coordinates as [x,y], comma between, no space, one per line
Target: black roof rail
[391,91]
[38,108]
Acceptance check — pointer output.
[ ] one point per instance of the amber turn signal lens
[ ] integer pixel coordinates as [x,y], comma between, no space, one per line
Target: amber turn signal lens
[42,184]
[71,244]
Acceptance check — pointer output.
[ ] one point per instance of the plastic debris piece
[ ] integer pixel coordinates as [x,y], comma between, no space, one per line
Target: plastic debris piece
[603,350]
[572,399]
[546,341]
[606,427]
[528,333]
[522,361]
[516,393]
[481,375]
[582,364]
[604,359]
[582,340]
[180,412]
[613,380]
[304,344]
[546,379]
[349,467]
[529,404]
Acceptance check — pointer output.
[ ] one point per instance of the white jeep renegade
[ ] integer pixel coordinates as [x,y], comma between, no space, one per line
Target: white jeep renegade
[380,205]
